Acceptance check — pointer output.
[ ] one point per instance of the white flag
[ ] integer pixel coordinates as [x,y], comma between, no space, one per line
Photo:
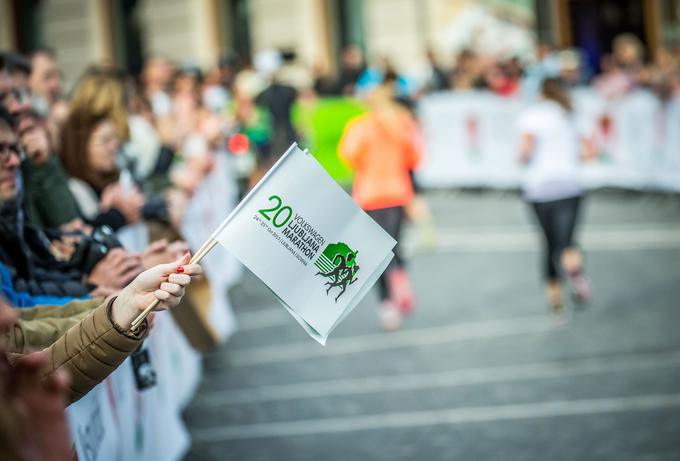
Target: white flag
[308,241]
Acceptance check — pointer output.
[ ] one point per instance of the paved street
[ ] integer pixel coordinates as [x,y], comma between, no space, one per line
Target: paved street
[481,371]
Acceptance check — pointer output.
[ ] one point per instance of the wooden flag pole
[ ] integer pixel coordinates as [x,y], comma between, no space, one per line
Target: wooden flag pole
[195,259]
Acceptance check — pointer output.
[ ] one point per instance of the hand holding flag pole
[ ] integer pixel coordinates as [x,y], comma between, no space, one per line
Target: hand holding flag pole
[195,259]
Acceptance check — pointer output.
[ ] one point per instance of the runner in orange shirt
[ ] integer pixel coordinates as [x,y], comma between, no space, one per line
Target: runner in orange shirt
[382,147]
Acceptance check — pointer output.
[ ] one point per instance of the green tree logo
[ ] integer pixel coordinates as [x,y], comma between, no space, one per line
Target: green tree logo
[338,263]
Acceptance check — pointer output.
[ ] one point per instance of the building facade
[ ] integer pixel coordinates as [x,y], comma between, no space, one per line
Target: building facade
[122,32]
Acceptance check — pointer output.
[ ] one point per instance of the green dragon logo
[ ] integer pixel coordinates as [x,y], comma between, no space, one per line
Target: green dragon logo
[338,263]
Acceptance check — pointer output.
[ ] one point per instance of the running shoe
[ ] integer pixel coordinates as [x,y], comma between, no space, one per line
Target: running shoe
[580,287]
[561,315]
[401,291]
[390,316]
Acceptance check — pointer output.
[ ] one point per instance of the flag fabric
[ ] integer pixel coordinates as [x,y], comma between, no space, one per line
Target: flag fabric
[308,241]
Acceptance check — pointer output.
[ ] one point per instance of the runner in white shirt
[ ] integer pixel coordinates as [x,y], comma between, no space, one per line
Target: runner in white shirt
[552,148]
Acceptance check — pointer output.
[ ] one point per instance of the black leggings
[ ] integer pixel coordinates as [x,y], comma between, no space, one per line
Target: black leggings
[391,220]
[558,220]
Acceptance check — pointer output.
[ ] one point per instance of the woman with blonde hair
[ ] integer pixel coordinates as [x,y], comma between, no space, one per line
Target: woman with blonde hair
[101,91]
[91,140]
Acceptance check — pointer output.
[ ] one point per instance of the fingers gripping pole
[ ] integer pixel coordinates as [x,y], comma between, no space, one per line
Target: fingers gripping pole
[195,259]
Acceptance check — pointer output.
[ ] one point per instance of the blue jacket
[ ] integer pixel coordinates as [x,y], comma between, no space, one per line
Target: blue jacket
[23,299]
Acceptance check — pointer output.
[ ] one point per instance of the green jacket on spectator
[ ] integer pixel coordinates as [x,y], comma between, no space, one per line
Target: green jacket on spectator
[47,198]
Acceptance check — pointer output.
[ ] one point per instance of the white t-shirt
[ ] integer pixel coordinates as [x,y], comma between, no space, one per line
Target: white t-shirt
[553,171]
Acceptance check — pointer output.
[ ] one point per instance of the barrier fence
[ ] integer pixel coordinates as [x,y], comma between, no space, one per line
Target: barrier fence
[471,140]
[118,422]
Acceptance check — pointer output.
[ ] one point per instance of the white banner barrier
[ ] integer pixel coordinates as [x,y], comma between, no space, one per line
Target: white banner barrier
[471,140]
[116,421]
[214,199]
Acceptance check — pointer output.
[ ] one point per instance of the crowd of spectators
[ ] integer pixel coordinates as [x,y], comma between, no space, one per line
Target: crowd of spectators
[628,66]
[67,185]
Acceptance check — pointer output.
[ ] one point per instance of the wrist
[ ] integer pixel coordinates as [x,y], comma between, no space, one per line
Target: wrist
[123,310]
[124,329]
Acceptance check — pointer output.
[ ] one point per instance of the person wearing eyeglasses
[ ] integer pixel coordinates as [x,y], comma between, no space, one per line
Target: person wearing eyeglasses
[10,160]
[25,250]
[47,199]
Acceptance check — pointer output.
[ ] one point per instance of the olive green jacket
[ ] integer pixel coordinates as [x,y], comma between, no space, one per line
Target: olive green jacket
[80,337]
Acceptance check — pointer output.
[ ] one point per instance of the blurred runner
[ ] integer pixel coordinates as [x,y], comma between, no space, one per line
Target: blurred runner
[383,146]
[551,149]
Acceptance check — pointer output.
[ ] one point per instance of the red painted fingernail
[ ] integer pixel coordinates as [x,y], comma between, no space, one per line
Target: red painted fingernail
[180,269]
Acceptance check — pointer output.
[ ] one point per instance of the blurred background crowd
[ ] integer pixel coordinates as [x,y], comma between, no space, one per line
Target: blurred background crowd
[166,97]
[115,113]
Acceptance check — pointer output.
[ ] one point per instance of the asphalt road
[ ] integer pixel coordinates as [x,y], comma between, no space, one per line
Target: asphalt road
[481,371]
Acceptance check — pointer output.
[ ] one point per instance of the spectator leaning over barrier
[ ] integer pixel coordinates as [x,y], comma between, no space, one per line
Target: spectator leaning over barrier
[90,339]
[103,339]
[82,343]
[36,263]
[57,262]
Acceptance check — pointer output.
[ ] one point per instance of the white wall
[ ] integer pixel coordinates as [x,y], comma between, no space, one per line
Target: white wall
[166,28]
[295,24]
[68,29]
[392,29]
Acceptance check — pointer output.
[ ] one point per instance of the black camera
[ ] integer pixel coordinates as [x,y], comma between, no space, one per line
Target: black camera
[93,248]
[156,209]
[145,375]
[106,237]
